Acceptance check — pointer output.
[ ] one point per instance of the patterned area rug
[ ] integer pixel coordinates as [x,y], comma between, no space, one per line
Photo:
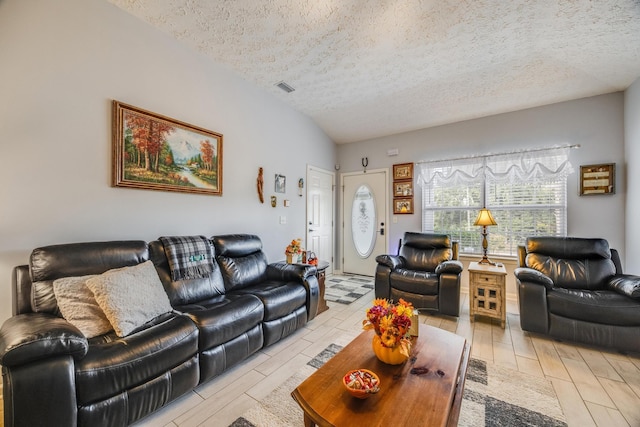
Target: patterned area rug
[493,396]
[347,289]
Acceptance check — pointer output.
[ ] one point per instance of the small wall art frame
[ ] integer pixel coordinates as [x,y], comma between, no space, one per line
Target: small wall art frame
[598,179]
[402,188]
[154,152]
[280,185]
[403,171]
[403,205]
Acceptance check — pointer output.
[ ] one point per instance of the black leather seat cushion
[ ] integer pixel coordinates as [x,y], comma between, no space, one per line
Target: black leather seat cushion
[224,318]
[113,364]
[600,306]
[415,282]
[279,299]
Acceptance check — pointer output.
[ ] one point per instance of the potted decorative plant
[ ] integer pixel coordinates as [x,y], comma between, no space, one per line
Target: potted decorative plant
[293,251]
[391,323]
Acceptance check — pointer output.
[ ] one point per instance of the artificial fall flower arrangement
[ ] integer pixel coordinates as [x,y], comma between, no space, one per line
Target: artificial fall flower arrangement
[391,323]
[294,248]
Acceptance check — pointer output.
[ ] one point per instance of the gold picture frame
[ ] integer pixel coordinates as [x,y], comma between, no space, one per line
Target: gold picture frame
[598,179]
[403,171]
[154,152]
[403,205]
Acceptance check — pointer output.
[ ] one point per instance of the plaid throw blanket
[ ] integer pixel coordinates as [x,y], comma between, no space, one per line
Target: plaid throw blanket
[190,257]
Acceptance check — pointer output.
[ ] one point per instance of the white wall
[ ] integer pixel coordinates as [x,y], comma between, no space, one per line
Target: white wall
[595,123]
[632,156]
[62,63]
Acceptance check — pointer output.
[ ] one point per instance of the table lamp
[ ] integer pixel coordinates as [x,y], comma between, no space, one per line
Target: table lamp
[485,219]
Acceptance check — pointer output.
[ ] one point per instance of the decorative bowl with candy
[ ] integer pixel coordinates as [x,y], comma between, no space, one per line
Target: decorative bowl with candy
[361,383]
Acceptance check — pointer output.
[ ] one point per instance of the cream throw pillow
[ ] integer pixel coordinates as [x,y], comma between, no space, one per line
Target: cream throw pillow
[130,296]
[78,305]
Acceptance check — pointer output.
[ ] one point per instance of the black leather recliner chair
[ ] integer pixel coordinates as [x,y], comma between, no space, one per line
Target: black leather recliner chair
[426,272]
[573,288]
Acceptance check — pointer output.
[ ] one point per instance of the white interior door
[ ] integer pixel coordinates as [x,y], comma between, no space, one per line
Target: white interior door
[365,216]
[320,201]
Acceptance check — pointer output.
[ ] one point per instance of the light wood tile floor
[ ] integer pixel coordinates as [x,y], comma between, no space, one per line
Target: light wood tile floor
[594,387]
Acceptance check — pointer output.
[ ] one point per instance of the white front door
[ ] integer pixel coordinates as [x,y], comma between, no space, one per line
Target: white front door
[320,231]
[365,215]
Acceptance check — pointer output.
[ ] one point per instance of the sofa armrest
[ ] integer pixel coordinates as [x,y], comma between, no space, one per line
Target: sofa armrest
[530,275]
[391,261]
[301,273]
[30,337]
[625,284]
[449,293]
[532,300]
[290,272]
[449,267]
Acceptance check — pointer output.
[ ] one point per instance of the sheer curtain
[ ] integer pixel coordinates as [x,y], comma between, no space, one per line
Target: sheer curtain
[521,166]
[525,191]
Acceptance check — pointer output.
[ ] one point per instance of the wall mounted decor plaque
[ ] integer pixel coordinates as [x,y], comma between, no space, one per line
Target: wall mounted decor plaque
[155,152]
[598,179]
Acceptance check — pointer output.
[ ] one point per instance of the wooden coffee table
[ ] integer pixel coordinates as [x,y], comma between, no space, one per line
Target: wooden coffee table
[425,390]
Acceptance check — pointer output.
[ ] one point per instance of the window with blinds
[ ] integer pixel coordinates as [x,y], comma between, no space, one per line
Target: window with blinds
[526,193]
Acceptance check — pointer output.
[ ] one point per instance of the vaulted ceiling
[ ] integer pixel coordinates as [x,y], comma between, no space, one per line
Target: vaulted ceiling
[368,68]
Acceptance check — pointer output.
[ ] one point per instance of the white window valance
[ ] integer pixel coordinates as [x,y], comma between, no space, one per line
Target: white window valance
[506,167]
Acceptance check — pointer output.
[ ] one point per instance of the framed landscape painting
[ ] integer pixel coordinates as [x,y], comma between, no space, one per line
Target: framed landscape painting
[155,152]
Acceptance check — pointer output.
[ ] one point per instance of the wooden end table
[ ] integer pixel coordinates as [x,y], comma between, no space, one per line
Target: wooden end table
[487,293]
[321,276]
[322,303]
[425,390]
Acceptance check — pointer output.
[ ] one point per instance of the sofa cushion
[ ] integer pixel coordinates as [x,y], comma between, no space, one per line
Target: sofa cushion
[188,291]
[598,306]
[130,296]
[241,259]
[588,273]
[224,318]
[79,306]
[115,364]
[77,259]
[424,252]
[243,271]
[414,282]
[571,262]
[279,299]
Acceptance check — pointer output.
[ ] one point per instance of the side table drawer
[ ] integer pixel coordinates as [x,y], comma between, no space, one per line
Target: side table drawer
[485,279]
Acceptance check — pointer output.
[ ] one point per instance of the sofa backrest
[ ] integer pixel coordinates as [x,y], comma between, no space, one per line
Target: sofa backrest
[49,263]
[571,262]
[423,251]
[188,291]
[241,259]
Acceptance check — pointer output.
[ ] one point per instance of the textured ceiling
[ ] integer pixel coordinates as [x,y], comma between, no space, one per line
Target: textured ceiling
[368,68]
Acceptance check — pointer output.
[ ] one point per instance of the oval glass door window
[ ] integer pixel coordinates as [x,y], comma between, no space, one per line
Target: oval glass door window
[363,221]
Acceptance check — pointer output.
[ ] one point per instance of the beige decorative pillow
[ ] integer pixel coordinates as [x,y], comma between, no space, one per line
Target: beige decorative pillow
[130,296]
[78,305]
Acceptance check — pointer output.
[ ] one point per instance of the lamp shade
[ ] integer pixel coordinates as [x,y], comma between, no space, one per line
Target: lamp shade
[485,218]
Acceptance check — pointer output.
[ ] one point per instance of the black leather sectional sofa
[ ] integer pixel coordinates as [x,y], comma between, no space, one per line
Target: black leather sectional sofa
[53,375]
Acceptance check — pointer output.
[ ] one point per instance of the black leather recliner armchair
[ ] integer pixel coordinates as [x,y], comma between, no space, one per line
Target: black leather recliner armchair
[573,288]
[426,272]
